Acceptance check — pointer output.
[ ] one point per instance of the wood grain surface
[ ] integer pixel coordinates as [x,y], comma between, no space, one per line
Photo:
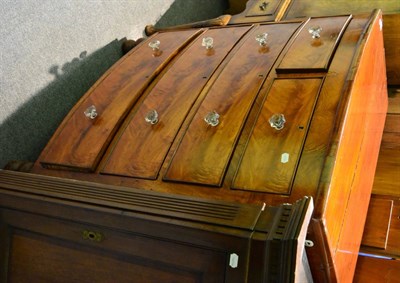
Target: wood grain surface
[80,142]
[142,147]
[203,155]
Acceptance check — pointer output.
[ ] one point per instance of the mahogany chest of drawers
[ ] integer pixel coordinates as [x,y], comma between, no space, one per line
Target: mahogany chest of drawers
[242,120]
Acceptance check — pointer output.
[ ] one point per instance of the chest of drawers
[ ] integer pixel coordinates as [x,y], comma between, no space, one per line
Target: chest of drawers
[259,116]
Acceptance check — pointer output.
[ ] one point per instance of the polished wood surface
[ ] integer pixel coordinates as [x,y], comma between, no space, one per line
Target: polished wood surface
[203,155]
[349,193]
[60,230]
[391,23]
[343,123]
[271,156]
[308,54]
[141,147]
[80,141]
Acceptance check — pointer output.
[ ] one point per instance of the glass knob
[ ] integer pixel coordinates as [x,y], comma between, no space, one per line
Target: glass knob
[91,112]
[263,6]
[208,42]
[262,39]
[277,121]
[155,45]
[151,117]
[212,119]
[315,31]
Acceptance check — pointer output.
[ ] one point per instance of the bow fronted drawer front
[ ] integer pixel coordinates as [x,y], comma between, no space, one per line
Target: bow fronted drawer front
[143,145]
[204,153]
[86,132]
[314,46]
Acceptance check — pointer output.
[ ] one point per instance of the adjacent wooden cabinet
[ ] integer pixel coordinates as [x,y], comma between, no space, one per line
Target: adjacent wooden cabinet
[198,156]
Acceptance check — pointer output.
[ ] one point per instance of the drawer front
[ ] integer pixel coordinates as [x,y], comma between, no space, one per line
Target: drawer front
[314,46]
[205,150]
[262,8]
[142,148]
[272,154]
[56,250]
[82,140]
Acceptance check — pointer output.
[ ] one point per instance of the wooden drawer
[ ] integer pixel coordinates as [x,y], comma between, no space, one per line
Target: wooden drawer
[142,147]
[334,105]
[204,152]
[80,141]
[57,251]
[272,154]
[313,53]
[391,23]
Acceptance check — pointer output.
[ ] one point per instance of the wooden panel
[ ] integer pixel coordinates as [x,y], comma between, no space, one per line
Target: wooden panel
[142,147]
[394,100]
[256,11]
[262,7]
[377,224]
[309,54]
[391,23]
[356,147]
[307,8]
[393,243]
[45,228]
[271,156]
[392,248]
[44,261]
[372,270]
[243,216]
[391,36]
[387,180]
[204,152]
[80,141]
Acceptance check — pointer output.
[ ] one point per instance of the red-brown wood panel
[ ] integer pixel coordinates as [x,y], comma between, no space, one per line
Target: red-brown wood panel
[314,54]
[81,141]
[204,152]
[356,148]
[271,156]
[141,149]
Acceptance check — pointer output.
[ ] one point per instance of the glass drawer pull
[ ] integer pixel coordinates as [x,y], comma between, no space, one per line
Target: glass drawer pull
[315,32]
[212,119]
[91,112]
[277,121]
[151,117]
